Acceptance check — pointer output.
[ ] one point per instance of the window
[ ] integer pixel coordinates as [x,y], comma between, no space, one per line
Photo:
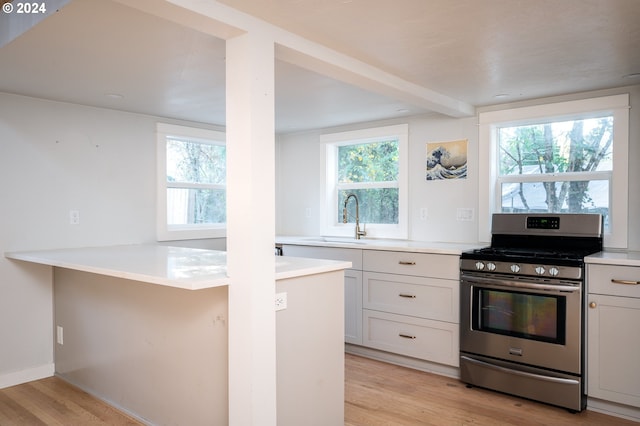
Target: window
[569,157]
[371,164]
[191,183]
[557,166]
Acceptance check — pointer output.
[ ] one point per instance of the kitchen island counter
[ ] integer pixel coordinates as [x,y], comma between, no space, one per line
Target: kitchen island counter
[179,267]
[145,328]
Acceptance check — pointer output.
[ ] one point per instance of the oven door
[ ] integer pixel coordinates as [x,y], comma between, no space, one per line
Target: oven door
[531,322]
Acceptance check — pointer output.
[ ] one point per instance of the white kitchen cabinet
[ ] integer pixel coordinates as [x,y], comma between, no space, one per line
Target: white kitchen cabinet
[613,318]
[399,303]
[353,306]
[414,310]
[416,296]
[409,263]
[352,283]
[435,341]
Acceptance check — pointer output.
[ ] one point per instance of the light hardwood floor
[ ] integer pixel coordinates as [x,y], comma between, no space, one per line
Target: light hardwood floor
[52,401]
[376,394]
[379,394]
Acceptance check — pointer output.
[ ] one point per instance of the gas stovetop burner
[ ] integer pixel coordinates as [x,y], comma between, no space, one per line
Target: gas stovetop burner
[537,245]
[530,255]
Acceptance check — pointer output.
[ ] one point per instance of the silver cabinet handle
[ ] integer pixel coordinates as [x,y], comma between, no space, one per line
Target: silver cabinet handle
[626,282]
[406,336]
[408,296]
[405,262]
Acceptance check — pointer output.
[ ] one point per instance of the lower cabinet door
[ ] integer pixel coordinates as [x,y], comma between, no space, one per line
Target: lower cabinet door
[613,354]
[353,306]
[435,341]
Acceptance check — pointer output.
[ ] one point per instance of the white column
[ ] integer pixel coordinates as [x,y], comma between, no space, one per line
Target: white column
[251,229]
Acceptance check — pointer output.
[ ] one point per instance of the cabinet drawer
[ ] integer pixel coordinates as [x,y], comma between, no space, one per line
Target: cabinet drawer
[407,263]
[434,341]
[600,280]
[431,298]
[350,255]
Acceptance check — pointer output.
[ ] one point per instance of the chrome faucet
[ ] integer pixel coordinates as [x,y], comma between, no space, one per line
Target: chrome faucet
[359,233]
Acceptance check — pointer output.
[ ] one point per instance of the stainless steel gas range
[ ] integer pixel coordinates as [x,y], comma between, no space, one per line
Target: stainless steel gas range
[522,307]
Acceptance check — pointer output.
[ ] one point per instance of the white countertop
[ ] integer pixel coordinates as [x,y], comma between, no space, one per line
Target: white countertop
[611,257]
[380,244]
[179,267]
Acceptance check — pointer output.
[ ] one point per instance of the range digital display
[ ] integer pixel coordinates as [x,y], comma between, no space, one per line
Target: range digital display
[543,222]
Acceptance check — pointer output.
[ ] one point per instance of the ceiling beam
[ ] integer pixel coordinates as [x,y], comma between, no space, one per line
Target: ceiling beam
[222,21]
[336,65]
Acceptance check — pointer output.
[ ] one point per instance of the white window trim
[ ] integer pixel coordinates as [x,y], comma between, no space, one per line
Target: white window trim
[617,105]
[329,226]
[183,232]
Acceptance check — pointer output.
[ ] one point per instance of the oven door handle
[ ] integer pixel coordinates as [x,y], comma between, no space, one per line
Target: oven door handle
[509,283]
[520,373]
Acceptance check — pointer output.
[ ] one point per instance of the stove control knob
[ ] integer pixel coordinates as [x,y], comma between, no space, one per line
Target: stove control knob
[515,268]
[540,270]
[553,271]
[491,266]
[479,266]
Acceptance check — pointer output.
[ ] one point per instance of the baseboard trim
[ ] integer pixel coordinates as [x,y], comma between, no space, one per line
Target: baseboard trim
[404,361]
[27,375]
[614,409]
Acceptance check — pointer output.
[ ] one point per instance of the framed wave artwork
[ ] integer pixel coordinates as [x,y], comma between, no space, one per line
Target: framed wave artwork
[447,160]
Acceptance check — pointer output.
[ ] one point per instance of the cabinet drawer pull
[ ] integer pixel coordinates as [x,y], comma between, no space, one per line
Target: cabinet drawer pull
[626,282]
[406,262]
[408,296]
[407,336]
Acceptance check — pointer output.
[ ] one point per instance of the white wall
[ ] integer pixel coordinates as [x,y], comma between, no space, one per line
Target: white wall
[299,181]
[442,198]
[55,157]
[299,167]
[634,169]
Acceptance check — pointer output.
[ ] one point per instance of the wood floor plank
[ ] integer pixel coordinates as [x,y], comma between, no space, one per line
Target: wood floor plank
[376,394]
[12,413]
[379,394]
[54,402]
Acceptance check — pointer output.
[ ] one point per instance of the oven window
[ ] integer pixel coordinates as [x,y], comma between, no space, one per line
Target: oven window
[519,314]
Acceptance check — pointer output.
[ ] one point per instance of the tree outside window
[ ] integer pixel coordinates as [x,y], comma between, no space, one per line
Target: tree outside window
[191,183]
[370,171]
[559,166]
[372,164]
[196,177]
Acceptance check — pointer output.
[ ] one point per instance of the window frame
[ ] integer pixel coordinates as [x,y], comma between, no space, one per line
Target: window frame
[164,231]
[489,181]
[329,186]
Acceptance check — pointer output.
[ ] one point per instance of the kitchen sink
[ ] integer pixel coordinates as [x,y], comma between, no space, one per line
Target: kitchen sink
[338,240]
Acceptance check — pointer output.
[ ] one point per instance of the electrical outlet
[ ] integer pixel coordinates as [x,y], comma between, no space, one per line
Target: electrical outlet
[424,213]
[59,335]
[281,301]
[74,217]
[464,214]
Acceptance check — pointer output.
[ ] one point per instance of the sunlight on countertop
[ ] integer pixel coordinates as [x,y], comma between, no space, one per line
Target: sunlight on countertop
[180,267]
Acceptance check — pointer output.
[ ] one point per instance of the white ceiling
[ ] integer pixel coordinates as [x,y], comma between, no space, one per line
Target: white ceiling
[478,52]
